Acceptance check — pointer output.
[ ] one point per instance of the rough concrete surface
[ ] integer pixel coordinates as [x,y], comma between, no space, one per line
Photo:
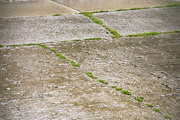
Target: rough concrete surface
[36,84]
[98,5]
[33,8]
[48,29]
[142,21]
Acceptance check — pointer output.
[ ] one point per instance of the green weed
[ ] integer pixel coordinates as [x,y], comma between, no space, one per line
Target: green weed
[139,8]
[140,99]
[1,45]
[149,105]
[103,82]
[61,56]
[91,75]
[166,116]
[171,5]
[64,41]
[118,89]
[74,64]
[14,45]
[125,92]
[156,110]
[93,39]
[122,10]
[150,33]
[43,46]
[52,49]
[113,86]
[57,14]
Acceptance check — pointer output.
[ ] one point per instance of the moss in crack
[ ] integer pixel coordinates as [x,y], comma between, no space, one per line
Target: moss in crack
[1,45]
[93,39]
[150,33]
[61,56]
[74,64]
[103,82]
[43,46]
[57,15]
[91,75]
[113,86]
[95,20]
[140,99]
[170,5]
[118,89]
[149,105]
[166,116]
[125,92]
[52,49]
[156,110]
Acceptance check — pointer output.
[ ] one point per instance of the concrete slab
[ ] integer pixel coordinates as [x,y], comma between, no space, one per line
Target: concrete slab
[19,8]
[148,67]
[36,84]
[142,21]
[48,29]
[97,5]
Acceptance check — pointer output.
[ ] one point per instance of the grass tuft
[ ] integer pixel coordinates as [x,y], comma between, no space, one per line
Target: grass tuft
[61,56]
[113,86]
[149,105]
[170,5]
[118,89]
[57,14]
[156,110]
[74,64]
[91,75]
[125,92]
[150,33]
[122,10]
[43,46]
[166,116]
[139,8]
[140,99]
[1,45]
[93,39]
[52,49]
[103,82]
[64,41]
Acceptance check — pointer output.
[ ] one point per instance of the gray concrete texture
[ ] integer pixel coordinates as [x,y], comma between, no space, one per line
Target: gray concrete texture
[71,27]
[142,21]
[48,29]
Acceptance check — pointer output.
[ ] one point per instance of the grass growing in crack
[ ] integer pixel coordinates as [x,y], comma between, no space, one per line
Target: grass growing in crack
[64,41]
[149,105]
[122,10]
[74,64]
[91,75]
[113,86]
[93,39]
[166,116]
[57,14]
[118,89]
[171,5]
[52,49]
[140,99]
[103,82]
[1,45]
[156,110]
[125,92]
[150,33]
[43,46]
[14,45]
[61,56]
[139,8]
[95,20]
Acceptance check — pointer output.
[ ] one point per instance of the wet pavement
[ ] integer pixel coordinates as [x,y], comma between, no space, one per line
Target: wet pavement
[38,83]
